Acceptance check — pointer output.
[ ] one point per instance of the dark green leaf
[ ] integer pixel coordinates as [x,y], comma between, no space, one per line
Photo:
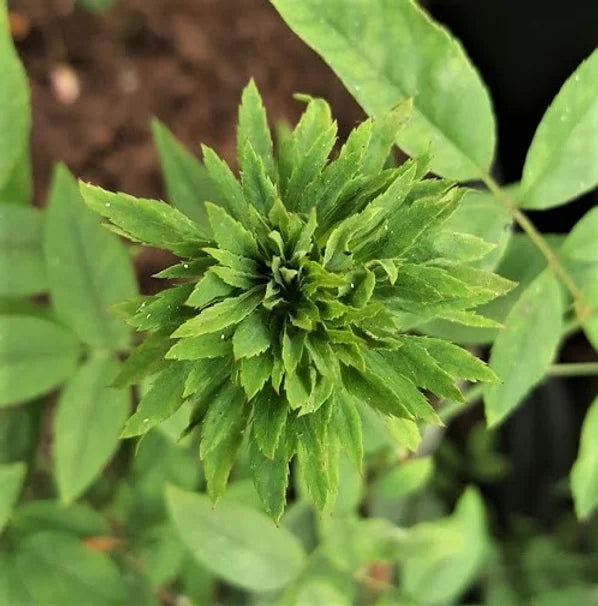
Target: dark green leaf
[347,425]
[270,476]
[229,233]
[269,416]
[12,476]
[255,372]
[252,336]
[196,348]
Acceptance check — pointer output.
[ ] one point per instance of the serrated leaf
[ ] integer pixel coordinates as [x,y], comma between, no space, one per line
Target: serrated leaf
[164,310]
[456,361]
[163,399]
[373,391]
[255,372]
[196,348]
[402,53]
[86,426]
[148,221]
[188,184]
[12,476]
[22,267]
[229,233]
[221,315]
[237,543]
[461,248]
[405,432]
[143,360]
[35,357]
[525,348]
[562,161]
[252,336]
[253,127]
[227,409]
[225,181]
[292,349]
[269,416]
[382,365]
[270,477]
[205,374]
[207,290]
[584,473]
[582,241]
[218,463]
[384,133]
[346,423]
[258,188]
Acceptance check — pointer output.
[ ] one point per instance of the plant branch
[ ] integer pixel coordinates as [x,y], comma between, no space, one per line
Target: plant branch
[582,309]
[579,369]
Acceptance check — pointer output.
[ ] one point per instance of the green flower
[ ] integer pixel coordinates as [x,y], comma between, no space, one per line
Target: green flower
[295,296]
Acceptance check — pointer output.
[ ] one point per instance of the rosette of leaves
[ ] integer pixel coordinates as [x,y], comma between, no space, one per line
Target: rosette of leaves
[291,304]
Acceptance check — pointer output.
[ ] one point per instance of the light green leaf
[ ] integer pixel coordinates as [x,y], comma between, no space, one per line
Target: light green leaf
[15,118]
[525,348]
[443,572]
[148,221]
[188,184]
[562,161]
[59,569]
[405,479]
[35,357]
[87,423]
[582,241]
[221,315]
[208,289]
[253,127]
[238,544]
[89,270]
[252,336]
[18,187]
[229,233]
[386,52]
[405,432]
[196,348]
[22,268]
[162,400]
[584,474]
[321,591]
[12,476]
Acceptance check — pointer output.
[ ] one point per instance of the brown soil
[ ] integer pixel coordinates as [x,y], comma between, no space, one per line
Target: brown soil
[185,61]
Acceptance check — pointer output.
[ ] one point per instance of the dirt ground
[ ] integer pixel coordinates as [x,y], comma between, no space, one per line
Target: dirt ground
[98,79]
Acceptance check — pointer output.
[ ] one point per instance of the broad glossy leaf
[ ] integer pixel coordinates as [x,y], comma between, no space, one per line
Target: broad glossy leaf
[59,569]
[35,357]
[87,424]
[148,221]
[15,118]
[562,161]
[163,399]
[584,474]
[12,476]
[188,184]
[525,348]
[406,478]
[582,241]
[22,267]
[238,544]
[444,571]
[386,52]
[89,270]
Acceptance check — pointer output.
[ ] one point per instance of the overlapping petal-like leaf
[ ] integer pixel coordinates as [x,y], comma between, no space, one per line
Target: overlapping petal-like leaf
[294,311]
